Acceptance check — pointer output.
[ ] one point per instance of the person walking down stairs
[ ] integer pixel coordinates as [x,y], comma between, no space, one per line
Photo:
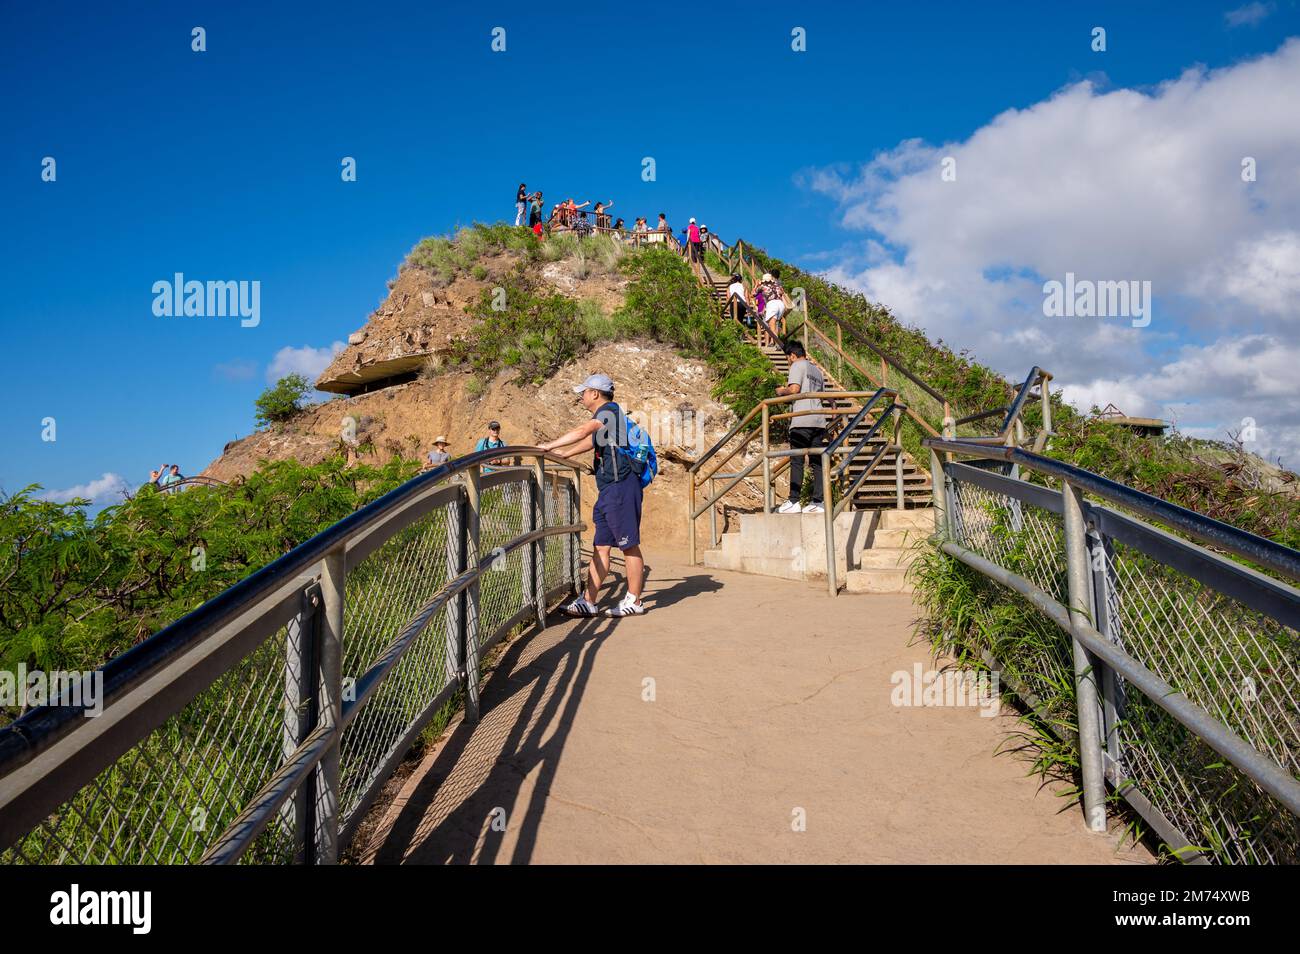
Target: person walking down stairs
[807,429]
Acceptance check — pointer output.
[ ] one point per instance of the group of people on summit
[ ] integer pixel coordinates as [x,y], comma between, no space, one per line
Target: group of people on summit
[572,216]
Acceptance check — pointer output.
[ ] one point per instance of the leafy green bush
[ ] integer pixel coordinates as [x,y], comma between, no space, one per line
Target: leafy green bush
[665,302]
[283,401]
[446,257]
[79,591]
[536,332]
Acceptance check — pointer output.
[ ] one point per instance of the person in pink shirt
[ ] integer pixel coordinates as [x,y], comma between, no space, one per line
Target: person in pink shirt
[693,242]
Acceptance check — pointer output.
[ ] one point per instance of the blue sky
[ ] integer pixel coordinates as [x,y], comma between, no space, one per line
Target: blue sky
[225,164]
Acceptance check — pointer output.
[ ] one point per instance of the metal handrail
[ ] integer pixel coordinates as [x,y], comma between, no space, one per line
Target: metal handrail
[38,729]
[1275,556]
[1100,627]
[146,685]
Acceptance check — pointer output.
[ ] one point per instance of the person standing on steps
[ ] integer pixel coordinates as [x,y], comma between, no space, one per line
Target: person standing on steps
[521,204]
[736,303]
[773,305]
[693,241]
[807,427]
[616,514]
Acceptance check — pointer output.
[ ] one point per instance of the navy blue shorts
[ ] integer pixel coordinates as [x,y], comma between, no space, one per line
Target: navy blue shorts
[617,515]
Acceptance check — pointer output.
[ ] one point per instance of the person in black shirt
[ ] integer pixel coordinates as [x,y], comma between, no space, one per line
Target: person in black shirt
[616,514]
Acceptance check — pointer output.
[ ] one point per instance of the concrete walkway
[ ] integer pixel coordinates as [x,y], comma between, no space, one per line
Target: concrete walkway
[707,729]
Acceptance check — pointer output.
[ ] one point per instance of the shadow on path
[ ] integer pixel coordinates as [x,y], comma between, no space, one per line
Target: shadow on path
[527,706]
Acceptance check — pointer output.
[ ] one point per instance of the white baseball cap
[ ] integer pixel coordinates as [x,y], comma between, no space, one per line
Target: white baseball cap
[692,221]
[596,382]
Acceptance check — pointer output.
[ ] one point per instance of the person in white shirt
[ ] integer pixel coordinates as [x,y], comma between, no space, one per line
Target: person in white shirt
[736,301]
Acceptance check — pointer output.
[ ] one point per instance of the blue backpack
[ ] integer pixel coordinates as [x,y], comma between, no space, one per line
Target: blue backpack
[638,450]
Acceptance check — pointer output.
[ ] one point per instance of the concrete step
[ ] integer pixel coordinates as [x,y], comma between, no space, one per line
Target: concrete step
[877,581]
[726,556]
[882,538]
[886,558]
[908,520]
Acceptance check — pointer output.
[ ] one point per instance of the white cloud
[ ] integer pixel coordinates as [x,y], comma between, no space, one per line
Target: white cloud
[1118,185]
[241,369]
[1252,14]
[307,361]
[108,489]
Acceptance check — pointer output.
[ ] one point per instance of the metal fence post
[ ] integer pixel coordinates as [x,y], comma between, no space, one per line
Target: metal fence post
[1085,674]
[828,502]
[939,497]
[527,523]
[1112,694]
[575,540]
[329,705]
[300,675]
[469,619]
[455,615]
[690,515]
[767,464]
[713,515]
[898,460]
[537,550]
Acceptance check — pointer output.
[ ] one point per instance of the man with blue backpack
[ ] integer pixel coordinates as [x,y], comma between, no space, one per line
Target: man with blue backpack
[625,464]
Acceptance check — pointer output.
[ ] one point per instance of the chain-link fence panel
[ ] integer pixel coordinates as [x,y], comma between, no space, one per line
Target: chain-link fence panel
[1241,667]
[382,595]
[168,797]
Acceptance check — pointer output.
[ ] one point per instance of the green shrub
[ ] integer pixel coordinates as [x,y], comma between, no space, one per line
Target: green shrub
[666,303]
[283,401]
[445,257]
[536,332]
[80,590]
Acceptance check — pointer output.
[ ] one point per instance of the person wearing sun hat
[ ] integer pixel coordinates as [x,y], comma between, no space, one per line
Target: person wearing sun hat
[438,456]
[616,515]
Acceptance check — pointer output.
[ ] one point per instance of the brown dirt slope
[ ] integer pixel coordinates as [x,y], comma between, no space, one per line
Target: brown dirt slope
[652,381]
[421,317]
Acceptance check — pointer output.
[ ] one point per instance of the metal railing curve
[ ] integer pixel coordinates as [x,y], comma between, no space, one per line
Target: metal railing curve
[1184,664]
[262,725]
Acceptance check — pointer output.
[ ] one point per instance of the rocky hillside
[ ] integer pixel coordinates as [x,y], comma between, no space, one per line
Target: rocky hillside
[421,316]
[396,384]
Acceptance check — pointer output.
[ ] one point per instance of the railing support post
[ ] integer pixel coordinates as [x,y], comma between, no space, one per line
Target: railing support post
[470,617]
[828,502]
[939,497]
[898,460]
[575,540]
[300,678]
[537,549]
[690,515]
[329,706]
[1078,566]
[1112,699]
[767,463]
[713,513]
